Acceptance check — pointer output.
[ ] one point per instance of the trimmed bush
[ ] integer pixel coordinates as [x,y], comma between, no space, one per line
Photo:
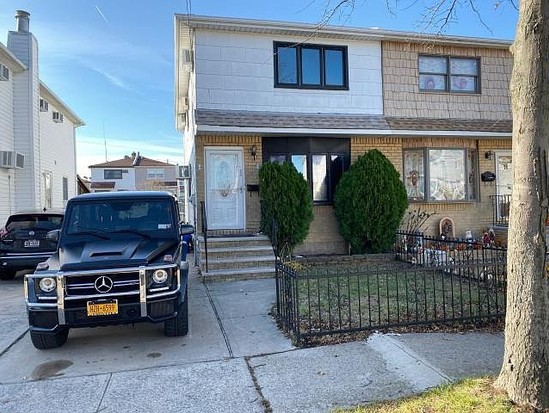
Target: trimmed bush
[286,200]
[370,201]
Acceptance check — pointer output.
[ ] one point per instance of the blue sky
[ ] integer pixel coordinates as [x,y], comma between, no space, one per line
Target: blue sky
[111,61]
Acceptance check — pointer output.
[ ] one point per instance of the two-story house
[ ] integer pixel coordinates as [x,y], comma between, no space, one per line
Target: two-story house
[134,173]
[250,91]
[37,131]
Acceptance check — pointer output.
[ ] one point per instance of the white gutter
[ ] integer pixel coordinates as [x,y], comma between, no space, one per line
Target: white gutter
[314,131]
[317,30]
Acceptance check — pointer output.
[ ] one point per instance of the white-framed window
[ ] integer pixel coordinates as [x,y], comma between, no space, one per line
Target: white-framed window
[57,117]
[4,73]
[65,188]
[440,175]
[112,174]
[44,105]
[157,173]
[47,189]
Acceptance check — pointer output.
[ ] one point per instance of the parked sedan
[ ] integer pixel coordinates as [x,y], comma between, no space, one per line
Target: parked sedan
[23,242]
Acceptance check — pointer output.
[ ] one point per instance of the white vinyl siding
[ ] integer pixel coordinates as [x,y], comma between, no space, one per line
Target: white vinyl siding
[235,72]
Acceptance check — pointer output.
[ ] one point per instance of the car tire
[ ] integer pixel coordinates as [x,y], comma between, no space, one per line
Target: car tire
[179,325]
[45,341]
[6,275]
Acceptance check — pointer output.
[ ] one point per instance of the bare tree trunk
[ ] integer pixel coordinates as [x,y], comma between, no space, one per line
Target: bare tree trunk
[525,370]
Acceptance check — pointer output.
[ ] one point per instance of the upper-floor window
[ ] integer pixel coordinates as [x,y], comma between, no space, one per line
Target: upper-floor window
[449,74]
[44,105]
[4,72]
[310,66]
[155,173]
[442,175]
[112,174]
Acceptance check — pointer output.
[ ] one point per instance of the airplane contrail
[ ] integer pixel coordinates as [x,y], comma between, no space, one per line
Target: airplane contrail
[101,14]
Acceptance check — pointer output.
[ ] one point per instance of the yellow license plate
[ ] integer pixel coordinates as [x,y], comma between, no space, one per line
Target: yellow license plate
[104,307]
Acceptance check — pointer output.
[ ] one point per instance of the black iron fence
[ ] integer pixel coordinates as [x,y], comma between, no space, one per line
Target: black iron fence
[436,281]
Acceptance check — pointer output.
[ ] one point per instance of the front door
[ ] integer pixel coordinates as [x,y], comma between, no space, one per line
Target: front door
[504,183]
[225,188]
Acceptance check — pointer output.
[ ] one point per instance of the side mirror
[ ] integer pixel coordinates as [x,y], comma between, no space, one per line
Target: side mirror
[186,229]
[53,235]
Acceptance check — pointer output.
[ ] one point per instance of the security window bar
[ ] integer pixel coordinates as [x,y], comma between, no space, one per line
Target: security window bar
[441,175]
[449,74]
[310,66]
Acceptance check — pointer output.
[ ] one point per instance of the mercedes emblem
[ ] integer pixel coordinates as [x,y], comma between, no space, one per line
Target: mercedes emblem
[103,284]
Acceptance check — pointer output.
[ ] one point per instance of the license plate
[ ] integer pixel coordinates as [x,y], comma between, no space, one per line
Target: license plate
[102,307]
[32,243]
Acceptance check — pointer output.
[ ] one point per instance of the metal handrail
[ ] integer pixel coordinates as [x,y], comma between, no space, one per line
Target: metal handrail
[500,209]
[204,220]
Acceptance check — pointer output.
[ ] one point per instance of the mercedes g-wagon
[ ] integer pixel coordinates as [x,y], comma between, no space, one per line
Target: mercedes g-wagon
[120,259]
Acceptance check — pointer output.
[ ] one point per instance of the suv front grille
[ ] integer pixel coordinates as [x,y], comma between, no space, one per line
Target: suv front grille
[85,285]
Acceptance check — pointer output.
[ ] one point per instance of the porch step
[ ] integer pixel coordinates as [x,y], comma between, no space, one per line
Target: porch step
[241,274]
[235,257]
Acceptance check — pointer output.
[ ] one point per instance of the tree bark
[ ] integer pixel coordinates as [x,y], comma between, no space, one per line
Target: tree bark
[525,370]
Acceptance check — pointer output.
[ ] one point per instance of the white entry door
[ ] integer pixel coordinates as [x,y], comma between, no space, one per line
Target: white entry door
[225,188]
[504,182]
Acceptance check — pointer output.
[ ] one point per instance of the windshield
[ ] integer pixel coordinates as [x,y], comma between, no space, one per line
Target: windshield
[151,217]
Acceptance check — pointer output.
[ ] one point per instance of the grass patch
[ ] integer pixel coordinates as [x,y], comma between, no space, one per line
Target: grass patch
[346,298]
[470,395]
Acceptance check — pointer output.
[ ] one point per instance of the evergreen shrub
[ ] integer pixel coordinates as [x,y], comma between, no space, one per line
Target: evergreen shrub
[286,200]
[370,201]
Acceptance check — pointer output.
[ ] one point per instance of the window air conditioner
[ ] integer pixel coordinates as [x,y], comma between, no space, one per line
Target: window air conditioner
[57,117]
[12,160]
[185,172]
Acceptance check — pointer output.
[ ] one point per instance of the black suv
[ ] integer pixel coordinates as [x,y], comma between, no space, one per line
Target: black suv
[23,242]
[121,259]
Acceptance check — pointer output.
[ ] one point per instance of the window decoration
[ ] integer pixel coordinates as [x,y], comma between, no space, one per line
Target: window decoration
[440,175]
[310,66]
[449,74]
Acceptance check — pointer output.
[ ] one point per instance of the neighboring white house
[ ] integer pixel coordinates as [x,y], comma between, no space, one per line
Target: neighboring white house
[37,131]
[134,172]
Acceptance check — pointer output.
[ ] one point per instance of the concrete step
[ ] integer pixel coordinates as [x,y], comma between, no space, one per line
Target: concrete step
[234,252]
[230,242]
[240,274]
[239,262]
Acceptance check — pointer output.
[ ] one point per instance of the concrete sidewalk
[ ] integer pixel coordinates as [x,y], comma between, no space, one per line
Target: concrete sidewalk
[233,360]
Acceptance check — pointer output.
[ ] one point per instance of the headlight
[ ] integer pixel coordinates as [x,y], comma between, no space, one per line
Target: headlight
[47,284]
[160,276]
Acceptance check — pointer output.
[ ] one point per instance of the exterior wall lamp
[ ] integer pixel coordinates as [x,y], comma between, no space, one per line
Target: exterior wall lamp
[253,151]
[489,155]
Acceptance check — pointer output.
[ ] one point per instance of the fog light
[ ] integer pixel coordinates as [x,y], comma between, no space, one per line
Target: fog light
[160,276]
[47,284]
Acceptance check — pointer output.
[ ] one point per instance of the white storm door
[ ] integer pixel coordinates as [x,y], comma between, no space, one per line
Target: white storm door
[225,188]
[504,182]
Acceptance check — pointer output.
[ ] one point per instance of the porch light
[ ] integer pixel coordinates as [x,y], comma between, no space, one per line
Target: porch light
[489,155]
[253,151]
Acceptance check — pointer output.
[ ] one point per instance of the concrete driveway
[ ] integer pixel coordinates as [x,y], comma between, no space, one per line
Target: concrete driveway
[234,359]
